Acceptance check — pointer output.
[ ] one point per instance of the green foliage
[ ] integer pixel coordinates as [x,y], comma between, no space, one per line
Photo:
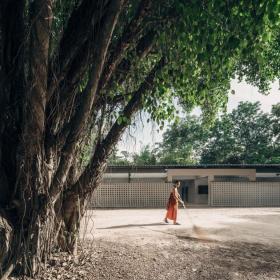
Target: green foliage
[145,157]
[62,11]
[275,114]
[182,142]
[206,44]
[116,159]
[246,135]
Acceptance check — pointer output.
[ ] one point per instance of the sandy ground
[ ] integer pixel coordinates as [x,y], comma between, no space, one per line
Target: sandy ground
[134,244]
[145,226]
[210,243]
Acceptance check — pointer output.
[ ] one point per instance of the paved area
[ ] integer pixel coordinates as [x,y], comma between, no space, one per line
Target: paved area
[145,226]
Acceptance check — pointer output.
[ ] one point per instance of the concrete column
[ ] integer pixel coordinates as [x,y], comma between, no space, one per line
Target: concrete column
[169,178]
[252,177]
[195,191]
[210,179]
[191,192]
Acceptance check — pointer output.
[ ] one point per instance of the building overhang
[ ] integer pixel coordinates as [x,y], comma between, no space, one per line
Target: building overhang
[133,175]
[210,173]
[260,168]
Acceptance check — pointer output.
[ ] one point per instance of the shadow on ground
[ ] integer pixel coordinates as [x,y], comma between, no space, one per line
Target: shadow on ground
[247,257]
[196,239]
[134,225]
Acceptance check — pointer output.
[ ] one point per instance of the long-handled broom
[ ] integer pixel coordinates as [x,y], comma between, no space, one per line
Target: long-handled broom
[196,229]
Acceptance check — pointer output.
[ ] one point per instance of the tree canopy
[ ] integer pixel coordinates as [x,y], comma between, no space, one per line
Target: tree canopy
[73,74]
[247,135]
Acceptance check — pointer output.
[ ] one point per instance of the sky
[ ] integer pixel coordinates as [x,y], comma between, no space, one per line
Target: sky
[149,134]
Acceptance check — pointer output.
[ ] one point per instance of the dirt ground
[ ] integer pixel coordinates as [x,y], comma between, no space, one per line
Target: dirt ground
[145,226]
[210,243]
[134,244]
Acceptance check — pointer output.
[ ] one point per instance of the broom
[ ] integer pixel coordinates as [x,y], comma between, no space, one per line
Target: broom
[196,229]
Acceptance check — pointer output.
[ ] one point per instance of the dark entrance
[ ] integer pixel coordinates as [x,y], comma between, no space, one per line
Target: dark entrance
[184,191]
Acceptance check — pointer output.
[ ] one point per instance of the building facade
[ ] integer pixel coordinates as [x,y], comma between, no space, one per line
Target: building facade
[212,185]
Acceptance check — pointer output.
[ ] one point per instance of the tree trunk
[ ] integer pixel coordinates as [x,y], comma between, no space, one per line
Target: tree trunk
[73,210]
[43,190]
[25,248]
[5,240]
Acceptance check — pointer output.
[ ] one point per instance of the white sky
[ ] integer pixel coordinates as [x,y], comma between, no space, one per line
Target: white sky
[148,133]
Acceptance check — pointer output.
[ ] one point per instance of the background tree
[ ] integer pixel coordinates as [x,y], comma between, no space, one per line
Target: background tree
[116,159]
[275,113]
[183,142]
[146,156]
[76,72]
[246,135]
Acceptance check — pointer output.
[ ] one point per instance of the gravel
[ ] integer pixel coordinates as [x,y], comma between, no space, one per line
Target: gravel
[184,259]
[133,244]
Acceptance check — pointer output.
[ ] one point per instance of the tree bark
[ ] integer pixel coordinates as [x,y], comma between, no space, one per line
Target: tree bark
[82,114]
[76,197]
[44,118]
[32,181]
[5,240]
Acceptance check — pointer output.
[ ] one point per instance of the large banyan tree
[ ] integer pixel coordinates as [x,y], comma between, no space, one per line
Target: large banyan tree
[73,74]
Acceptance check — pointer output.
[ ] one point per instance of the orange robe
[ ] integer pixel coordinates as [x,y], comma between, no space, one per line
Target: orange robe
[172,206]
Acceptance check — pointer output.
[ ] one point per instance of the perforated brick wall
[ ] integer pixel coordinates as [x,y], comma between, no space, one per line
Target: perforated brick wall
[244,194]
[131,195]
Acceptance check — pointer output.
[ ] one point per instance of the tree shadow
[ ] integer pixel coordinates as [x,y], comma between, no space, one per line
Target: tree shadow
[247,257]
[196,239]
[134,225]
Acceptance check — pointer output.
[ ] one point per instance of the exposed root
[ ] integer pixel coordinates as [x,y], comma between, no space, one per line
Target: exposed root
[8,271]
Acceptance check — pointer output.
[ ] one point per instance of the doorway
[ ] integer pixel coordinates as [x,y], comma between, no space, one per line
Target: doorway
[184,192]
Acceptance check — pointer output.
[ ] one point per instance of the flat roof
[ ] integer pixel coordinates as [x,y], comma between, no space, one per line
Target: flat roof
[274,168]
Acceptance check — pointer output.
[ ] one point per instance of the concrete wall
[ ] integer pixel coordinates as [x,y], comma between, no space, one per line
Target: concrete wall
[244,194]
[193,186]
[191,192]
[144,189]
[200,198]
[131,195]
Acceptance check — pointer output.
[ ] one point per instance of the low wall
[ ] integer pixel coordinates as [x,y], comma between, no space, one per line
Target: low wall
[131,195]
[244,194]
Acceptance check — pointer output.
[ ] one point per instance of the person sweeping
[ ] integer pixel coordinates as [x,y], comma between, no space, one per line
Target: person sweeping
[172,204]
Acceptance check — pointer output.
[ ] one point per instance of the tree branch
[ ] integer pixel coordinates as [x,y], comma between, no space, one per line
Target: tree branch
[92,173]
[79,29]
[41,19]
[70,73]
[130,35]
[143,47]
[79,120]
[12,86]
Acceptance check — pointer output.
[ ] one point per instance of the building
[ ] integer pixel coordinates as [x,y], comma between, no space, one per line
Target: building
[220,185]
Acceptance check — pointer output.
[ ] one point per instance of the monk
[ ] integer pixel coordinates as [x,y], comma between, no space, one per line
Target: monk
[172,205]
